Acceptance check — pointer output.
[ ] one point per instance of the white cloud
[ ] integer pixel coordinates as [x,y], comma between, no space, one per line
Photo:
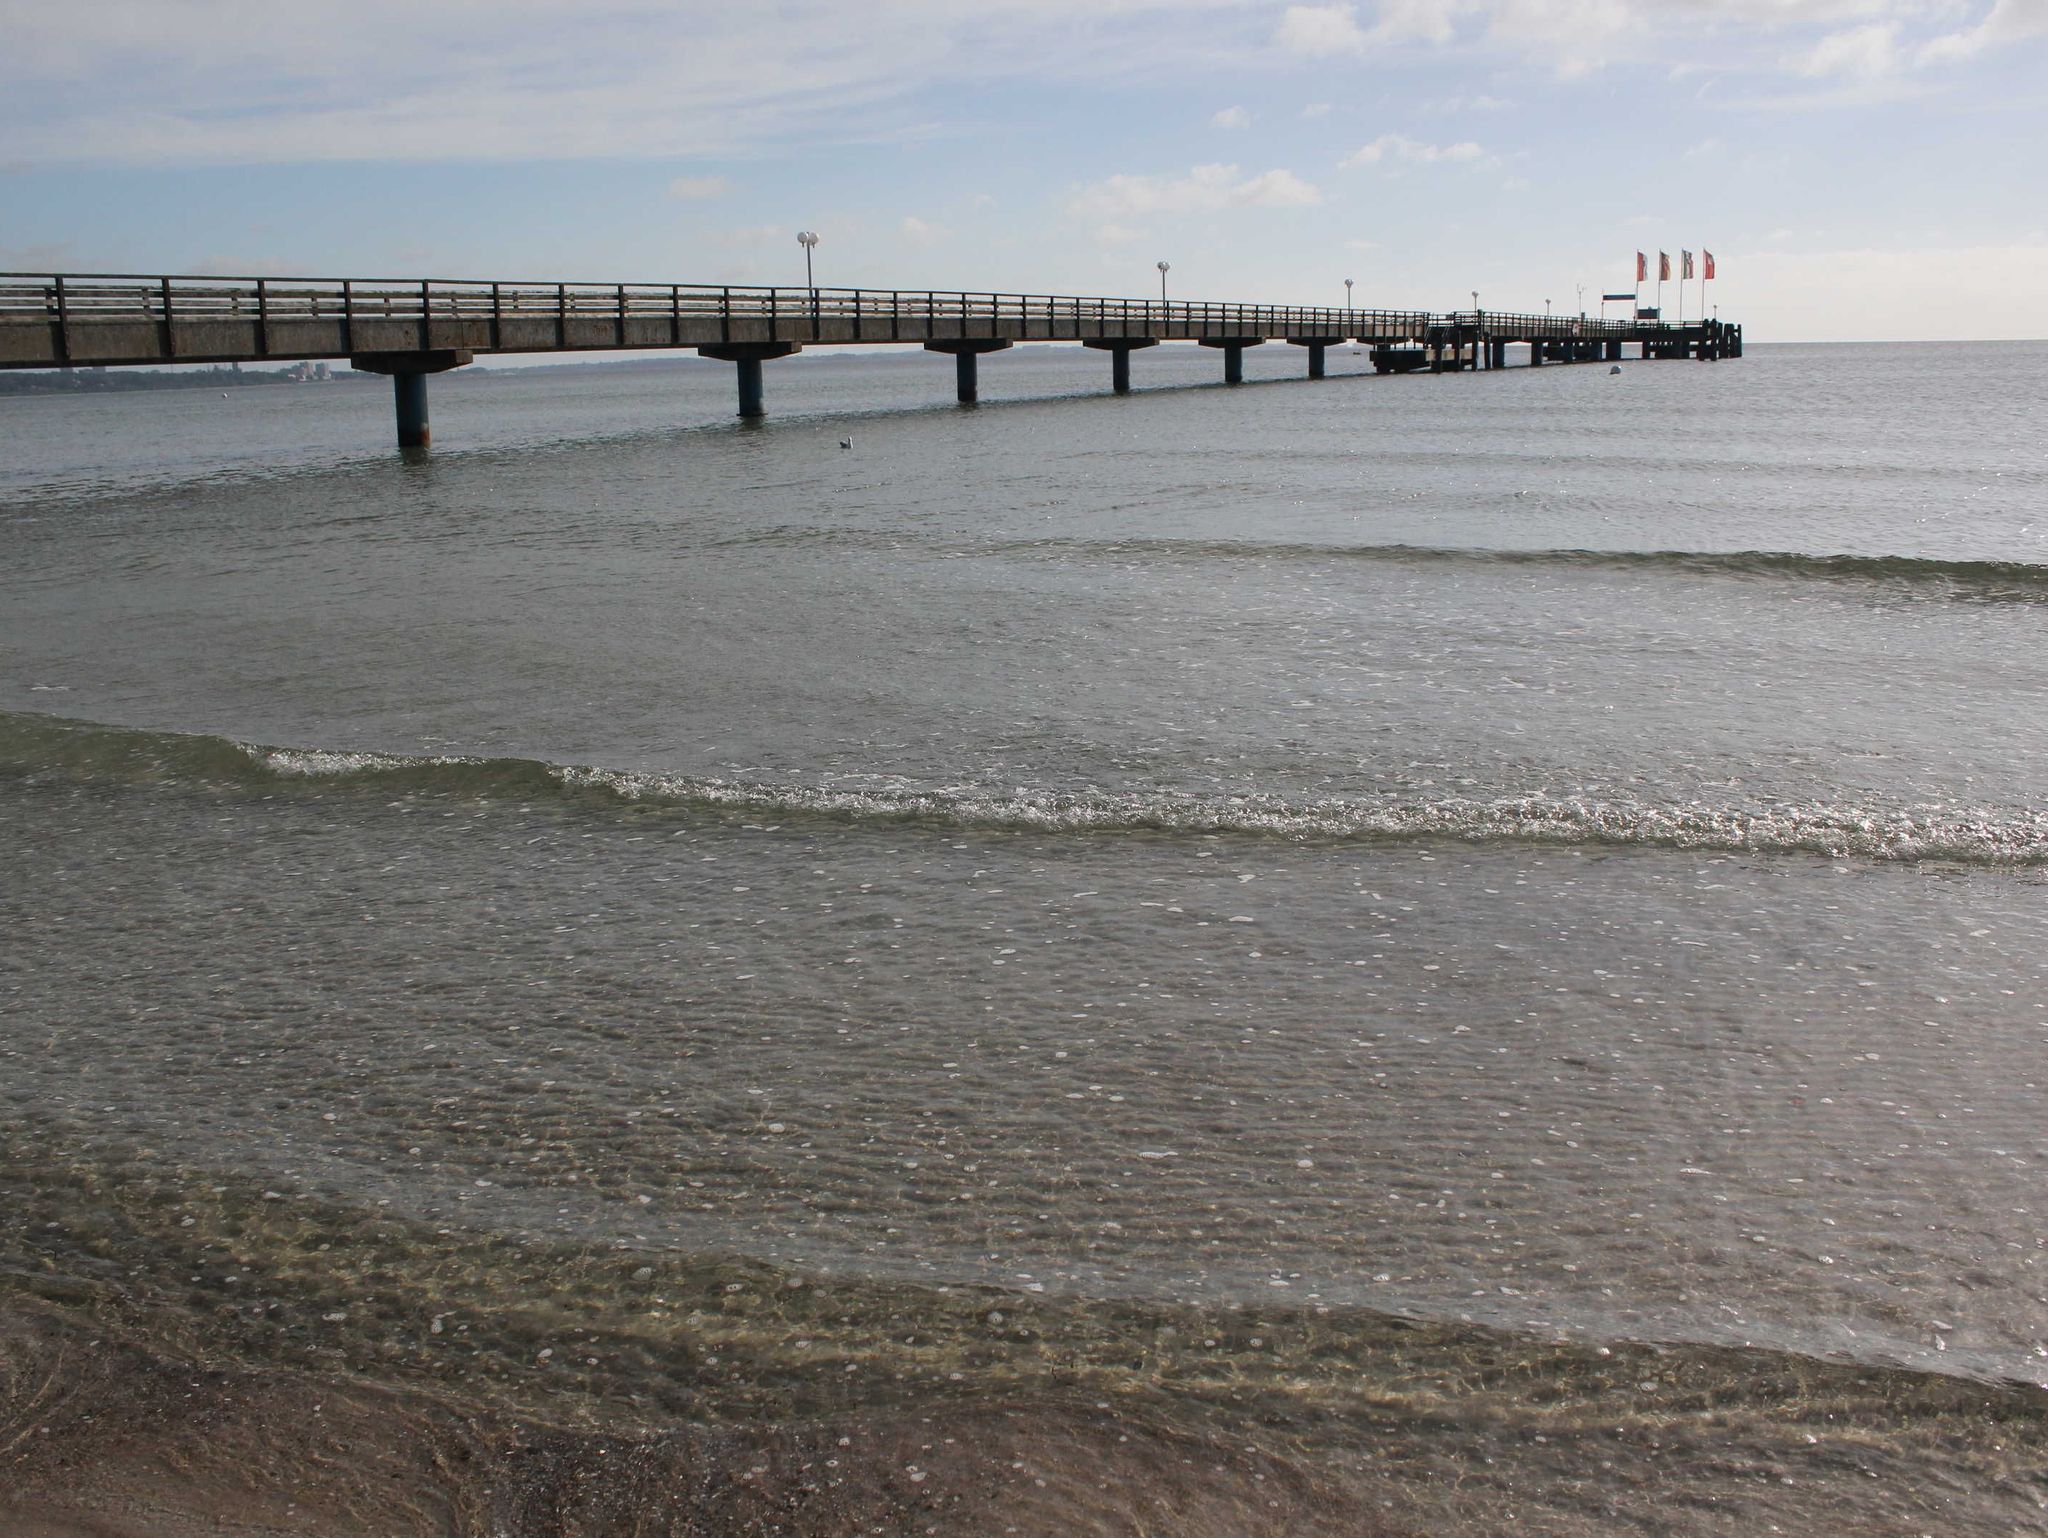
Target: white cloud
[1320,31]
[1400,148]
[922,232]
[1205,189]
[1316,109]
[1231,117]
[185,82]
[693,187]
[1427,21]
[1576,36]
[2009,21]
[1861,53]
[1329,31]
[1857,39]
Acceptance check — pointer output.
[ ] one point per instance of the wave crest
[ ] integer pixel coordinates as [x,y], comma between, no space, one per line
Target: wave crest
[37,747]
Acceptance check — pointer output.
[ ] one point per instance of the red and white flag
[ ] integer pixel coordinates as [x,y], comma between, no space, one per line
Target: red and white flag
[1642,268]
[1707,260]
[1663,266]
[1685,267]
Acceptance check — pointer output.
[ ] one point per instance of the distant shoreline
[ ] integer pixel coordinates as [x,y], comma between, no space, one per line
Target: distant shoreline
[97,381]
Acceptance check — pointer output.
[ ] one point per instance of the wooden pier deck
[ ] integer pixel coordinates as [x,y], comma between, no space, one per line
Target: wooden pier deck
[410,328]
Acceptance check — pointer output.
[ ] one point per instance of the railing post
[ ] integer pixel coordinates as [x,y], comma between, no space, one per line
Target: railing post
[348,313]
[856,314]
[561,315]
[170,335]
[63,324]
[497,319]
[725,314]
[895,315]
[675,315]
[620,330]
[426,315]
[262,318]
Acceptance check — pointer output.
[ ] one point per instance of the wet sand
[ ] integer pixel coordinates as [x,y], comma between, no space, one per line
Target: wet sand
[184,1355]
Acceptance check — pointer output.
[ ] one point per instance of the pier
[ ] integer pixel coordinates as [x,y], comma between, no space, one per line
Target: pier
[411,328]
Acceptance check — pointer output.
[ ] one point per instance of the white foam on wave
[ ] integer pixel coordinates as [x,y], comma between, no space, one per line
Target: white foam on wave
[314,763]
[1914,833]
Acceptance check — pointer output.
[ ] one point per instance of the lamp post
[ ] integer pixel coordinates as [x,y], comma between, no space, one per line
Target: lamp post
[1582,301]
[808,239]
[1162,281]
[1347,296]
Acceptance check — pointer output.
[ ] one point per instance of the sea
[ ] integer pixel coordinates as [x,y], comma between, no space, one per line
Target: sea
[1416,955]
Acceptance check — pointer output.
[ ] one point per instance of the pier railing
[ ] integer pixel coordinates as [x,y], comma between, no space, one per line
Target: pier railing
[1547,328]
[410,328]
[502,315]
[158,298]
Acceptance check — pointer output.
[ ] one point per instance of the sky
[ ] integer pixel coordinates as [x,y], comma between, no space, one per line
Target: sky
[1861,169]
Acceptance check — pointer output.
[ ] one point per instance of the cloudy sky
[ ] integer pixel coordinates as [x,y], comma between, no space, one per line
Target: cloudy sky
[1860,168]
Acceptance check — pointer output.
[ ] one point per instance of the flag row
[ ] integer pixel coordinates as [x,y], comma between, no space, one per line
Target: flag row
[1664,266]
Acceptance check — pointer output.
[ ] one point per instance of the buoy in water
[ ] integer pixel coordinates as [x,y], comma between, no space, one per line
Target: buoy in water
[1615,370]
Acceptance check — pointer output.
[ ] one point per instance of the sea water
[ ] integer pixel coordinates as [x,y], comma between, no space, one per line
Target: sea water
[1471,947]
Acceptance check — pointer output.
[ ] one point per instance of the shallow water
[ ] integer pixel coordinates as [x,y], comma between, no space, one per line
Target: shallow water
[1552,861]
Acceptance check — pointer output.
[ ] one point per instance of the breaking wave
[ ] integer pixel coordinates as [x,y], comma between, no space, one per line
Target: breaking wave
[1980,580]
[41,748]
[2007,580]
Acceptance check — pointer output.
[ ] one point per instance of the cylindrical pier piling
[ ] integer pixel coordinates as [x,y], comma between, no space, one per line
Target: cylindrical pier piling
[751,404]
[964,371]
[1120,370]
[1233,363]
[409,391]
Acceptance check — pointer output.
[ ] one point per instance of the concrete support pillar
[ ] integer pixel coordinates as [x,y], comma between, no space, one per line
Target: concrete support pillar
[1318,352]
[966,370]
[408,371]
[747,358]
[1233,354]
[1614,352]
[409,390]
[1535,355]
[1120,350]
[752,403]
